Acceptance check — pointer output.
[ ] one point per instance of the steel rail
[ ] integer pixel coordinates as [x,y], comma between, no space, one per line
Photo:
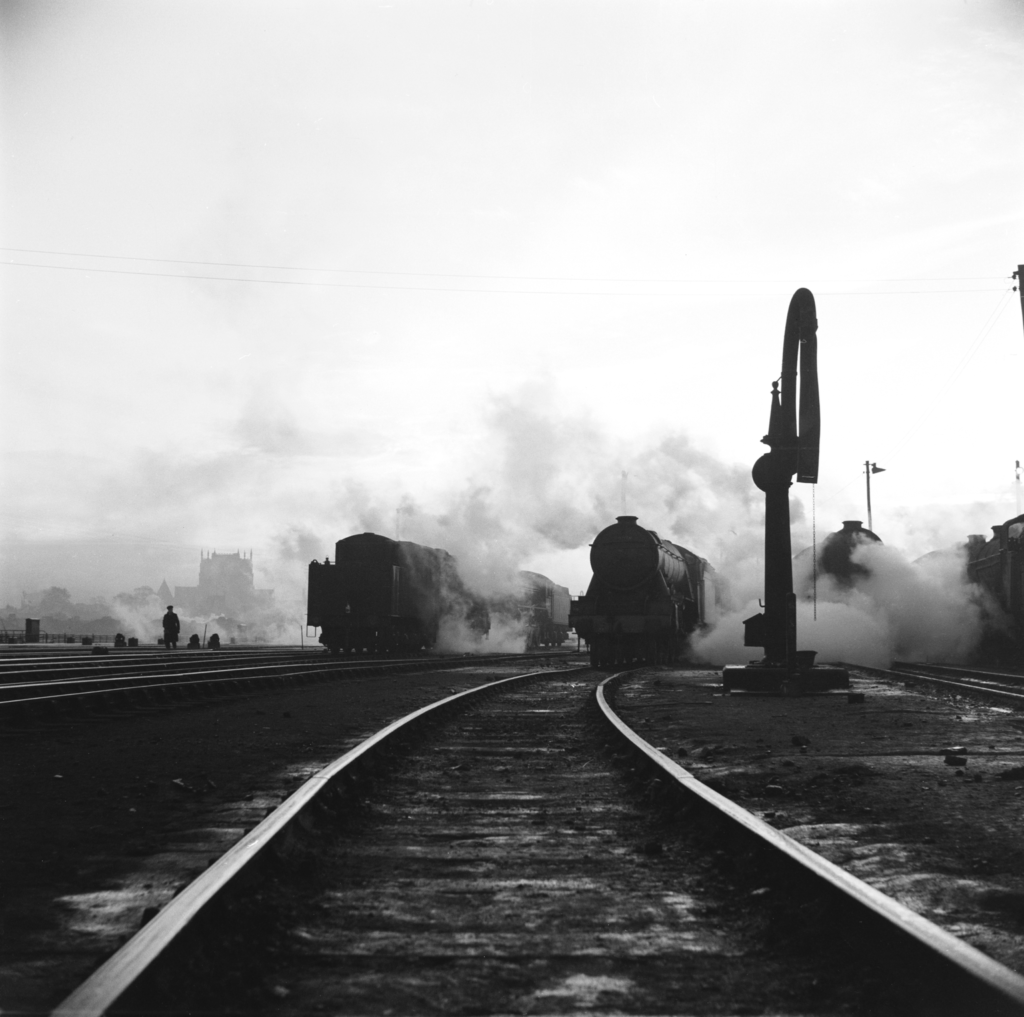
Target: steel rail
[117,683]
[1005,988]
[120,655]
[203,678]
[978,690]
[267,669]
[98,993]
[119,667]
[1008,677]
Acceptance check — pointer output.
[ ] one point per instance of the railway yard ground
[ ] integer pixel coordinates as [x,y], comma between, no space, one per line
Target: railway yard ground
[917,791]
[106,816]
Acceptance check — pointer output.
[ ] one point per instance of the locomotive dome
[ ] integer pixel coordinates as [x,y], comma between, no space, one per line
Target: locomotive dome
[837,550]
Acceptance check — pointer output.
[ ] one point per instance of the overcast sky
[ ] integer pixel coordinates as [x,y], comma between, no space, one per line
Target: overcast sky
[273,271]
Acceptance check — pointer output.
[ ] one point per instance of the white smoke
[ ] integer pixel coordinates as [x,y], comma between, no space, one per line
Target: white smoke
[455,635]
[537,483]
[898,610]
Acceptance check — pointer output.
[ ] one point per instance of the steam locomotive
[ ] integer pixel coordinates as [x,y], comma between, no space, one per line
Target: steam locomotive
[384,596]
[835,557]
[646,597]
[998,565]
[537,607]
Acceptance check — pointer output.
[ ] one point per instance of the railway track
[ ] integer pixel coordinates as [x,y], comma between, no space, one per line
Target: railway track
[113,660]
[1003,686]
[54,693]
[517,848]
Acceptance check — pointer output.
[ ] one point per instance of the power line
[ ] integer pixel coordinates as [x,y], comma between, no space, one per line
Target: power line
[961,366]
[465,289]
[448,275]
[934,401]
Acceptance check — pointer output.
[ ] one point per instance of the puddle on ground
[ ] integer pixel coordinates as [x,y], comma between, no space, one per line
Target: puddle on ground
[875,860]
[827,835]
[681,903]
[585,990]
[111,912]
[930,892]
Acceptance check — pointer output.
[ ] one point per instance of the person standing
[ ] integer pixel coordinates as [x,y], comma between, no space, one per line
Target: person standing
[171,628]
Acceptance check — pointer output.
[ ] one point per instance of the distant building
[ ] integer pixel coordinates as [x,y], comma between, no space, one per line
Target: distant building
[225,587]
[164,593]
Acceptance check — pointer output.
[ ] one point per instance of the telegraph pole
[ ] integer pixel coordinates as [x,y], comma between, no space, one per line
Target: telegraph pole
[1019,276]
[870,468]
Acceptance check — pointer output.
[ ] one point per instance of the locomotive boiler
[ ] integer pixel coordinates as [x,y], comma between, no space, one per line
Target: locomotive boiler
[646,597]
[385,596]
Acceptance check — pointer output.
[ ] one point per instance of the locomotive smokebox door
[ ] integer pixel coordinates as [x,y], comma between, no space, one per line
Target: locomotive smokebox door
[753,630]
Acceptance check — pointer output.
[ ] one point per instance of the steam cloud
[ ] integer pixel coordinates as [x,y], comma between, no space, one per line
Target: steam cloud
[539,482]
[898,609]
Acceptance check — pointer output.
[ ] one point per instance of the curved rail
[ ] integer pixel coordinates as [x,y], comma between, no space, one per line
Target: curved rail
[119,973]
[1012,677]
[912,672]
[982,978]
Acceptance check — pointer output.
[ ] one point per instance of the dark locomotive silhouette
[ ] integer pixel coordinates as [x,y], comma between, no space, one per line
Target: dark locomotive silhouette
[538,607]
[997,564]
[388,596]
[835,556]
[646,598]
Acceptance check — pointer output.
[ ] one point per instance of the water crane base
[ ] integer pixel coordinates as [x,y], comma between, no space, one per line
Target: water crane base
[782,681]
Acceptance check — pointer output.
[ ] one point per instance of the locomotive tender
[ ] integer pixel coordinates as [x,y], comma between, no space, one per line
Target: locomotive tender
[646,597]
[384,596]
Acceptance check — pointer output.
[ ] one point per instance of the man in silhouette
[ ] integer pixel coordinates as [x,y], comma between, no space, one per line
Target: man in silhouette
[171,628]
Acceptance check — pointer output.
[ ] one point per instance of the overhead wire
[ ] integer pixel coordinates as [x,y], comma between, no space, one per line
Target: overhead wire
[934,401]
[328,284]
[443,275]
[958,370]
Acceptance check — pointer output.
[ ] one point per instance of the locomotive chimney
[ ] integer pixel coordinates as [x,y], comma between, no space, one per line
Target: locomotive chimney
[626,520]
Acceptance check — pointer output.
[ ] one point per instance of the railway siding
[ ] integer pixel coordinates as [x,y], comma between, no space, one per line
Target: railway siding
[868,786]
[503,867]
[106,818]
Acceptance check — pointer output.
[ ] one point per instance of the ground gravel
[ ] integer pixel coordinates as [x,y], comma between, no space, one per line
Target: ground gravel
[920,793]
[106,817]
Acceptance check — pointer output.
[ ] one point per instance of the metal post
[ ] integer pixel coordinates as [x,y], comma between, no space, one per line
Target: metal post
[867,474]
[1019,276]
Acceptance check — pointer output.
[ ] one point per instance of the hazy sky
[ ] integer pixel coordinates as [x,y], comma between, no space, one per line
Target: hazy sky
[272,271]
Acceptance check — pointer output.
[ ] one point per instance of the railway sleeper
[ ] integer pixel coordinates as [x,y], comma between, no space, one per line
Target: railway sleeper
[231,940]
[808,911]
